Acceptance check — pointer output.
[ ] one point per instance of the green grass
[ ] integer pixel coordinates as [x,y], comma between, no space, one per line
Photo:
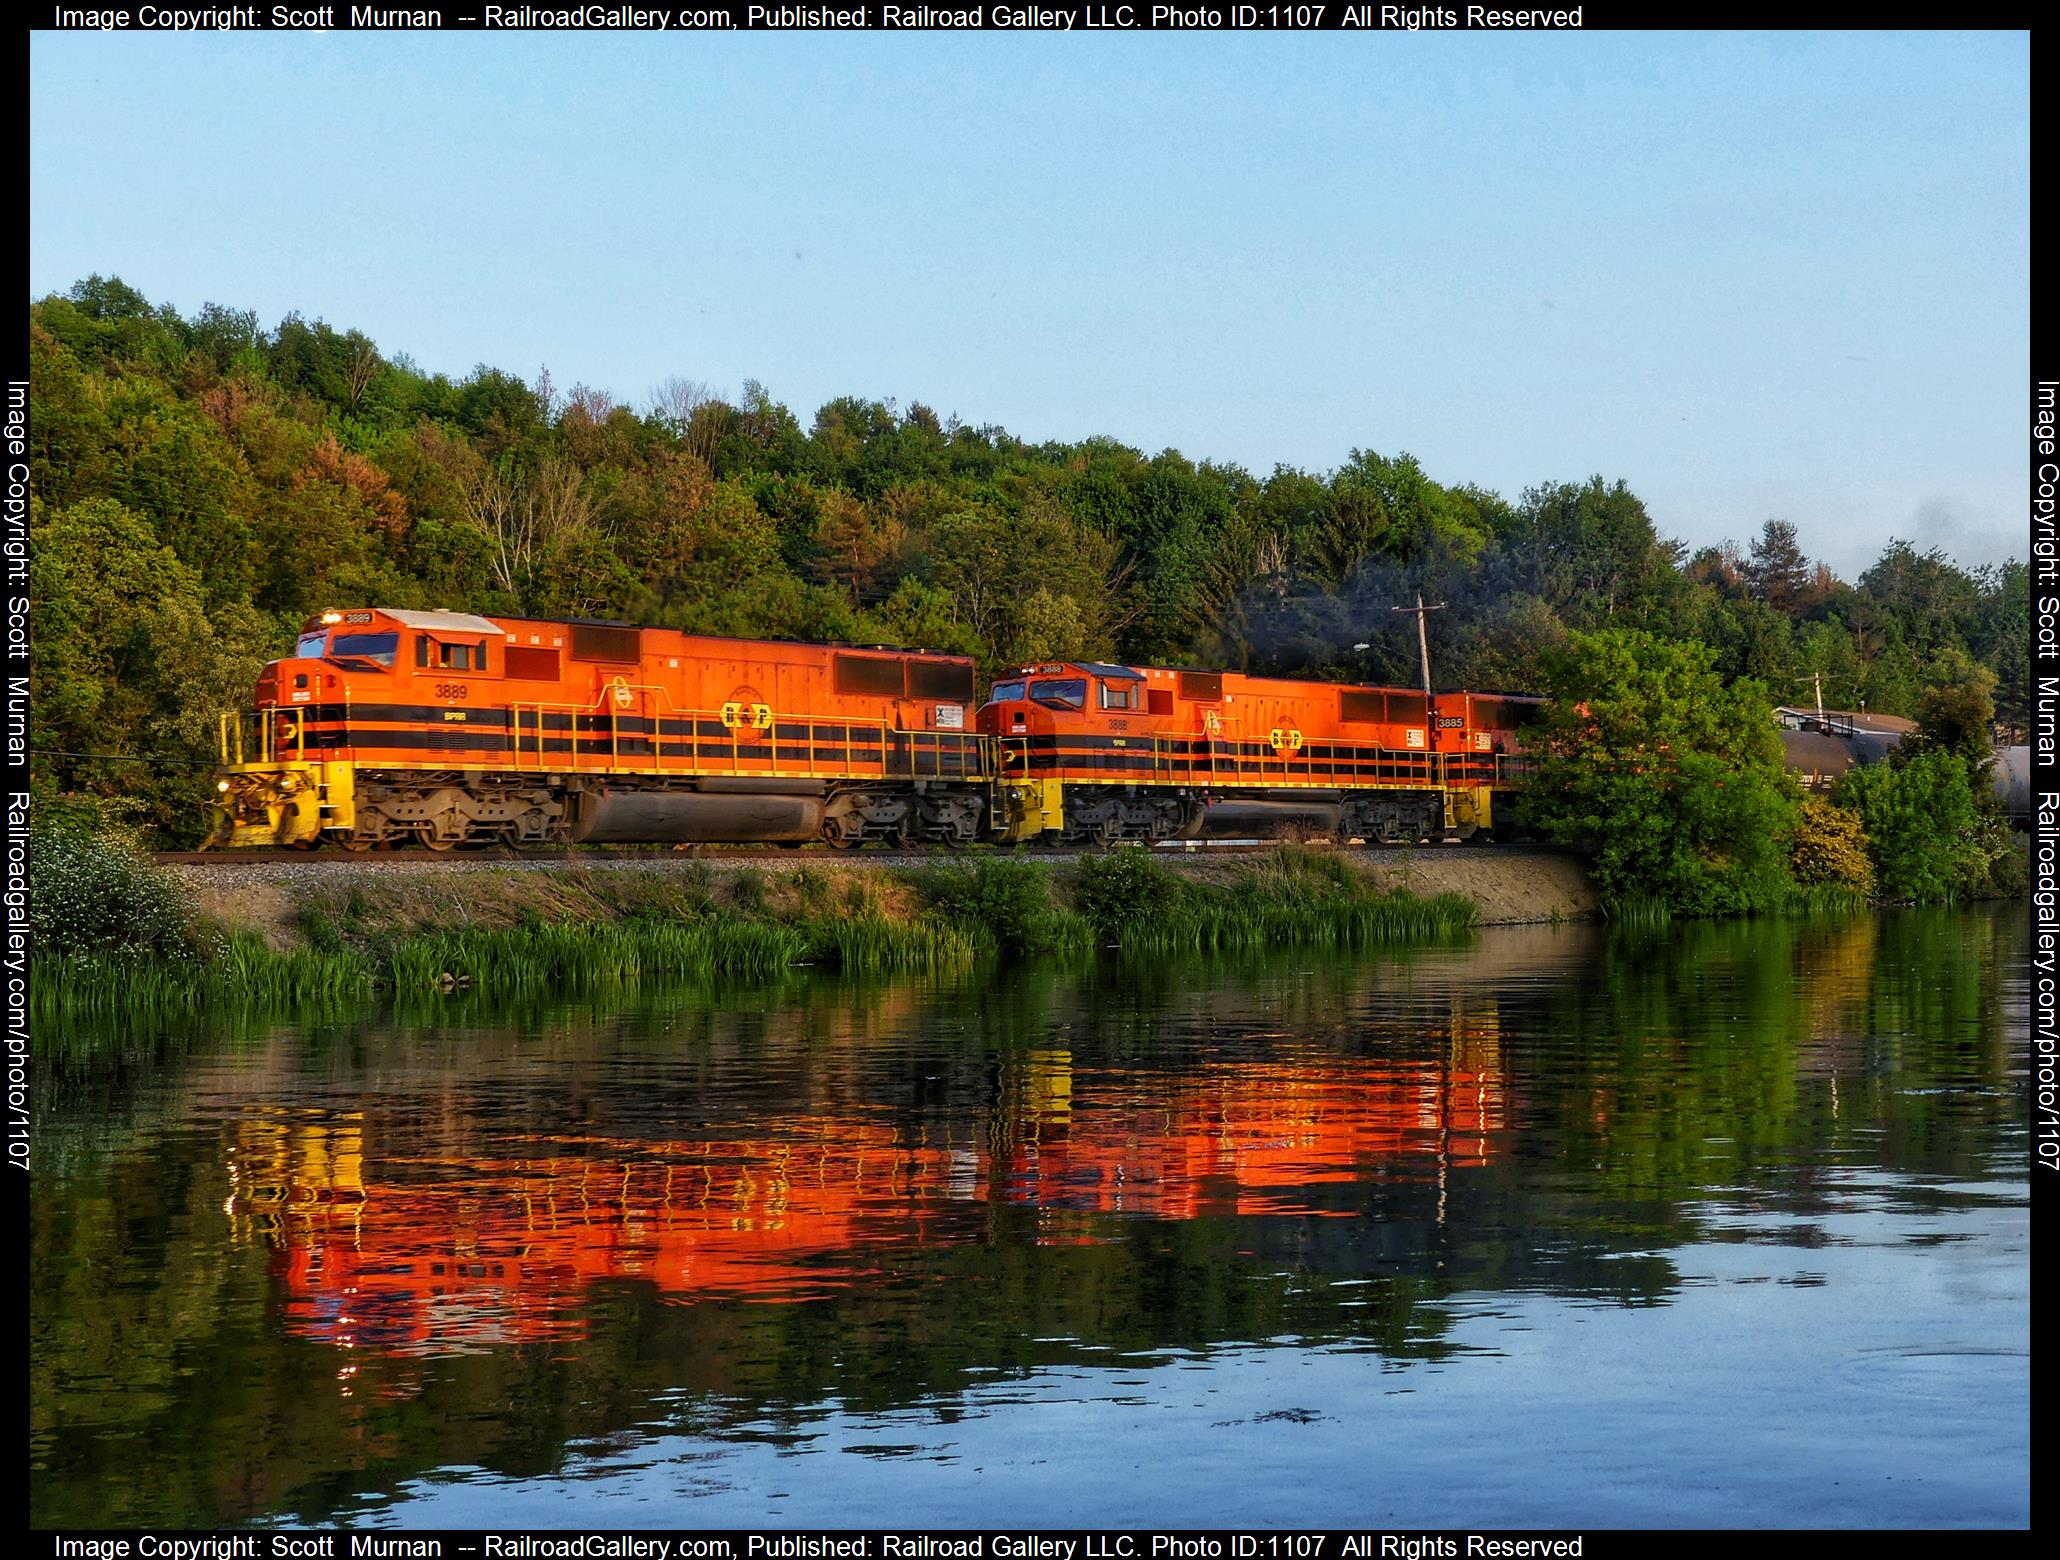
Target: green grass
[575,956]
[1201,923]
[1650,913]
[562,958]
[68,990]
[1827,899]
[867,945]
[1294,897]
[1637,912]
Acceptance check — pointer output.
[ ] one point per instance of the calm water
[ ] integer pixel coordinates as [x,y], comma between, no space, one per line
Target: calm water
[1723,1227]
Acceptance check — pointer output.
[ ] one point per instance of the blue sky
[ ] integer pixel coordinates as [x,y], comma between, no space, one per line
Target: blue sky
[1753,275]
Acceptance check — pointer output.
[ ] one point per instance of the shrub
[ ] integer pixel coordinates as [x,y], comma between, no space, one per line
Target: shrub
[1671,775]
[2009,861]
[1123,890]
[1921,823]
[1830,847]
[1007,901]
[93,894]
[321,929]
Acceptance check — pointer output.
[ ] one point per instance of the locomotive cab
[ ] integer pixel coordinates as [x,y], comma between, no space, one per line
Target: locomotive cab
[375,657]
[1054,721]
[1088,697]
[376,654]
[287,771]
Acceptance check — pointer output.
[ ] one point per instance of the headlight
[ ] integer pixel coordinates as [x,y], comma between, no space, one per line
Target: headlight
[221,785]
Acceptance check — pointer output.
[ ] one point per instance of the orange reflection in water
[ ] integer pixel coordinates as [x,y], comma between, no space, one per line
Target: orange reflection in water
[441,1254]
[1257,1139]
[448,1252]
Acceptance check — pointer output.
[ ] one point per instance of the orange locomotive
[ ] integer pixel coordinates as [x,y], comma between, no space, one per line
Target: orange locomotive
[443,729]
[446,729]
[1116,752]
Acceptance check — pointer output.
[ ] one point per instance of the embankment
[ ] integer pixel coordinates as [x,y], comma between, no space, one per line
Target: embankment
[1507,885]
[131,947]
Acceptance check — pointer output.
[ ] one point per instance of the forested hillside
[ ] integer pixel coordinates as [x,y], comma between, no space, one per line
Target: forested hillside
[204,483]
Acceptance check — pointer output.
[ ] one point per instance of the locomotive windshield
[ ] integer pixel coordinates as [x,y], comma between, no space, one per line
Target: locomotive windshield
[309,646]
[1066,693]
[1007,692]
[381,648]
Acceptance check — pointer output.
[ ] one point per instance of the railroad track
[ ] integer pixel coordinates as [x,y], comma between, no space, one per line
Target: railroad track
[503,853]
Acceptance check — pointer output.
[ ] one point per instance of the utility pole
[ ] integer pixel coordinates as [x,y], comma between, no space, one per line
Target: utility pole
[1423,645]
[1817,678]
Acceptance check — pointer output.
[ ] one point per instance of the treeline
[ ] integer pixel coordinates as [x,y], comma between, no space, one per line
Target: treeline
[204,483]
[1673,778]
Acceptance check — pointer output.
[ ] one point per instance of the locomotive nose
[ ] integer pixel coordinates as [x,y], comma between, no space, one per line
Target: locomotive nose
[293,681]
[1005,718]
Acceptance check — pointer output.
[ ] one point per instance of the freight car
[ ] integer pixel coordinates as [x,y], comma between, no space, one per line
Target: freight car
[445,729]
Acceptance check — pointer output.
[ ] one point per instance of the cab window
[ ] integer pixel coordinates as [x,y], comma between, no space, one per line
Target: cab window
[309,647]
[1120,695]
[1066,693]
[1006,693]
[381,648]
[448,657]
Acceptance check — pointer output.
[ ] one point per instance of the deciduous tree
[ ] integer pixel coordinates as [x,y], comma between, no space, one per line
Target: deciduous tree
[1672,776]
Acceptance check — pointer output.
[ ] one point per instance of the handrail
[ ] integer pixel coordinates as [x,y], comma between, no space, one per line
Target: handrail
[1172,765]
[232,740]
[924,750]
[933,744]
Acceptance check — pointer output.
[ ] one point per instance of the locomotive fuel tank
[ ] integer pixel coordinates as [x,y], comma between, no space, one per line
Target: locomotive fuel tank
[715,814]
[1279,813]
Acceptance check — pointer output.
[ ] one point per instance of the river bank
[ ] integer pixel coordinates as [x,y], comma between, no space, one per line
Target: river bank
[1506,885]
[247,934]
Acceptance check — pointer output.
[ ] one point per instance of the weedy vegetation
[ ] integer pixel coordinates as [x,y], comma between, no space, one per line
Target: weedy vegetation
[120,940]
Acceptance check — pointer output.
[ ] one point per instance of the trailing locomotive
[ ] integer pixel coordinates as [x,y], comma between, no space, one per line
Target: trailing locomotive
[1101,753]
[443,729]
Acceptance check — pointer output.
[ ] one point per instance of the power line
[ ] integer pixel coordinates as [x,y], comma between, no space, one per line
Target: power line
[123,758]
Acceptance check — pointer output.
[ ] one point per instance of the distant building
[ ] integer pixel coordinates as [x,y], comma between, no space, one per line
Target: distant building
[1819,751]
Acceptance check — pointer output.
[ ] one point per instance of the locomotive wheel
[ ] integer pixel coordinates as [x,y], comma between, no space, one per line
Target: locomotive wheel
[431,839]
